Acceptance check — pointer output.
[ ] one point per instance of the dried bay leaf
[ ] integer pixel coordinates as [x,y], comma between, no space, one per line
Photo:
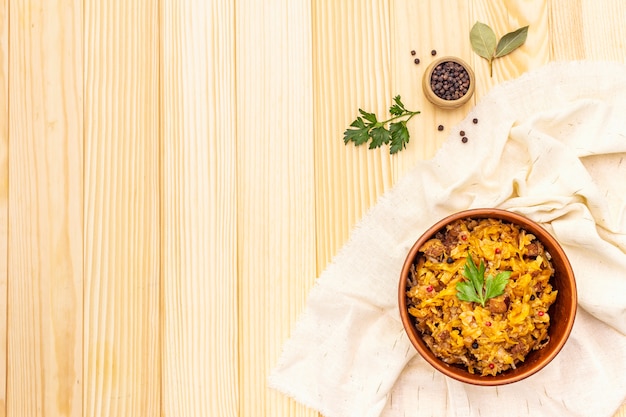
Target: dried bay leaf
[485,44]
[511,41]
[483,40]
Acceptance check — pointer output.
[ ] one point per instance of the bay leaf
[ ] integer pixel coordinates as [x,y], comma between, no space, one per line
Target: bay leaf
[511,41]
[483,40]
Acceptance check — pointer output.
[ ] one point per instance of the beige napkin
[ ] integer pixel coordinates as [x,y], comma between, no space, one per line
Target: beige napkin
[550,145]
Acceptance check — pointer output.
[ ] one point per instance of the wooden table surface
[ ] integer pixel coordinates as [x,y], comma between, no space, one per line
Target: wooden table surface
[173,179]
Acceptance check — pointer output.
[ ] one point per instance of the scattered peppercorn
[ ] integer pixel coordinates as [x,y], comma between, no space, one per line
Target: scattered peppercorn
[475,345]
[433,52]
[462,133]
[449,81]
[464,139]
[475,121]
[540,313]
[450,260]
[440,128]
[429,288]
[532,297]
[498,250]
[416,60]
[491,366]
[413,52]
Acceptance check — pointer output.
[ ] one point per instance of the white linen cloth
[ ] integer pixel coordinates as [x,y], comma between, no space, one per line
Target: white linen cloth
[550,145]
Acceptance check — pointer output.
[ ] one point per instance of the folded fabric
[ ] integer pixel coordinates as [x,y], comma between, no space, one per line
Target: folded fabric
[550,145]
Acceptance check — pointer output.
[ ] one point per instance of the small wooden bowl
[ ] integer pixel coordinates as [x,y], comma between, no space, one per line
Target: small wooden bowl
[434,98]
[562,312]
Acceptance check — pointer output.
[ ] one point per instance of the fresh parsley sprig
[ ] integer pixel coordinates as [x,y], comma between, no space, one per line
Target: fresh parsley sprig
[478,289]
[369,128]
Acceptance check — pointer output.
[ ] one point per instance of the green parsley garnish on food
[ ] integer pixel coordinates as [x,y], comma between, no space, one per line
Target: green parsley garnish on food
[368,128]
[478,289]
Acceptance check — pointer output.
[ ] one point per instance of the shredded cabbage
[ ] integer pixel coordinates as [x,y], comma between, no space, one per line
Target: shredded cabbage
[491,339]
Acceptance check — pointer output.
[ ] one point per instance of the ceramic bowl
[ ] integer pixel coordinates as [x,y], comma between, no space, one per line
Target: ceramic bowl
[562,312]
[441,102]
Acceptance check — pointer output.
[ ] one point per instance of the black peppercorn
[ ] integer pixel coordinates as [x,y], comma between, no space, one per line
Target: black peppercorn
[433,52]
[475,345]
[449,80]
[464,139]
[475,121]
[449,260]
[532,297]
[417,60]
[440,128]
[413,52]
[462,133]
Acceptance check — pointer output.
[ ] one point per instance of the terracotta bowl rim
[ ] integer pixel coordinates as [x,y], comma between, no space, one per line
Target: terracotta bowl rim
[523,370]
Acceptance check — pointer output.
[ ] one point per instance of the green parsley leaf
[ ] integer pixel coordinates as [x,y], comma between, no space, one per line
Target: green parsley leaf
[467,293]
[366,127]
[370,117]
[399,136]
[359,135]
[478,289]
[398,108]
[379,136]
[494,286]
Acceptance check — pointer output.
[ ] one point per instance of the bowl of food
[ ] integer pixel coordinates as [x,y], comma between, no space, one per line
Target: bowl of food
[487,296]
[448,82]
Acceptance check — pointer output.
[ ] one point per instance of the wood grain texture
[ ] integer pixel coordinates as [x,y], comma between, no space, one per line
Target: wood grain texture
[122,372]
[199,211]
[568,41]
[4,195]
[446,34]
[44,375]
[351,70]
[275,189]
[577,33]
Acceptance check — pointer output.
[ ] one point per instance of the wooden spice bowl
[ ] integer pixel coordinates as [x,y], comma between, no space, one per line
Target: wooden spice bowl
[562,313]
[434,98]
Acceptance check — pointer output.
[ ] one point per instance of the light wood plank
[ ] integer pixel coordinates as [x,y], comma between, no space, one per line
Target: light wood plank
[588,29]
[276,218]
[604,31]
[504,17]
[4,194]
[122,373]
[45,207]
[446,31]
[199,210]
[566,42]
[351,70]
